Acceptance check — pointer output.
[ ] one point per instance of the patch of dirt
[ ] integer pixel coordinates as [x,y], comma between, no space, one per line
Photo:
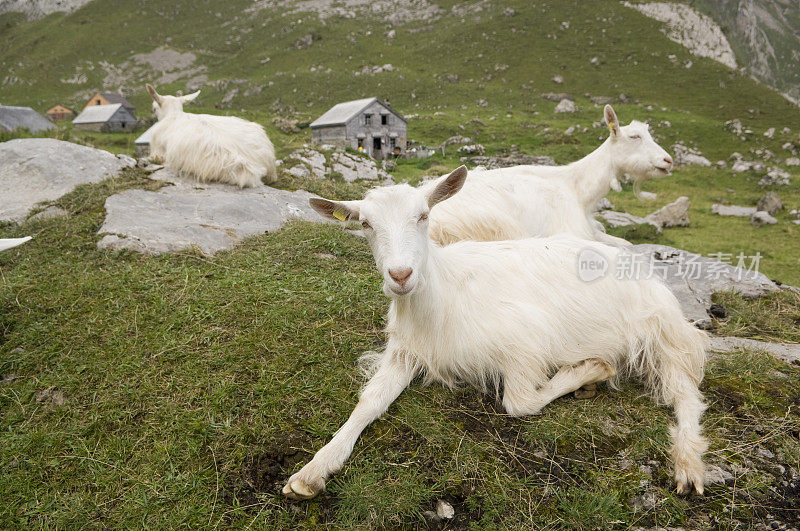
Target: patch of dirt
[51,394]
[264,473]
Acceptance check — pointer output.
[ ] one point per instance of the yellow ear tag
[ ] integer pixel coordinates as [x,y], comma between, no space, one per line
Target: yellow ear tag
[611,127]
[338,214]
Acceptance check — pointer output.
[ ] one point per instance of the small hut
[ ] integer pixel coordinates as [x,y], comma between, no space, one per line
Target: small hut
[105,119]
[110,98]
[143,143]
[12,118]
[59,112]
[368,125]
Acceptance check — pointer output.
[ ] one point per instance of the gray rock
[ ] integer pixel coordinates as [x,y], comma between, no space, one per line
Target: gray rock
[645,502]
[714,475]
[746,165]
[353,167]
[684,156]
[557,96]
[786,352]
[733,210]
[792,161]
[770,203]
[675,214]
[33,170]
[693,278]
[210,217]
[50,212]
[775,176]
[623,219]
[444,510]
[313,159]
[565,106]
[492,163]
[299,171]
[760,218]
[472,149]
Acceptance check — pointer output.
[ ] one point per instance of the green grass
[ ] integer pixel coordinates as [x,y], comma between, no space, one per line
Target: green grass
[194,386]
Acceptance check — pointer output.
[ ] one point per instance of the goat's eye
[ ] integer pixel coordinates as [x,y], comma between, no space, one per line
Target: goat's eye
[636,137]
[366,224]
[423,217]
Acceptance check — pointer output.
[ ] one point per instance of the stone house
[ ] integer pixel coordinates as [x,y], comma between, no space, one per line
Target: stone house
[105,119]
[369,125]
[59,112]
[110,98]
[13,118]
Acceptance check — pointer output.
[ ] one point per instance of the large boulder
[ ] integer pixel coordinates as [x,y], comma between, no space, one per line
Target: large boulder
[762,218]
[209,217]
[770,203]
[675,214]
[33,170]
[694,278]
[733,210]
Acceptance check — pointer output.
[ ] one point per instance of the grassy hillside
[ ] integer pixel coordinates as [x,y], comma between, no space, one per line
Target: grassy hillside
[183,390]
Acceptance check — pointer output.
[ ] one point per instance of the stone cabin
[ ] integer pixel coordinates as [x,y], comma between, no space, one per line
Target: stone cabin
[13,118]
[59,112]
[369,125]
[110,98]
[105,119]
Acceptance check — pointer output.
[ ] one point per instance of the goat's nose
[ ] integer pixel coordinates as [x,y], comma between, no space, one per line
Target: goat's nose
[400,275]
[668,160]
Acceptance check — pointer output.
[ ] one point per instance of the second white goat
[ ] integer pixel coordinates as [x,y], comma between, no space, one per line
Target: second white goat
[526,201]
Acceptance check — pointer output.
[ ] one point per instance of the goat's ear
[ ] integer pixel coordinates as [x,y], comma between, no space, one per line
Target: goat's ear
[338,210]
[190,97]
[447,186]
[156,96]
[611,120]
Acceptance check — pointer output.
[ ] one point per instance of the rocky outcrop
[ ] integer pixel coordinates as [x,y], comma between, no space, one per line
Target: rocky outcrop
[675,214]
[694,278]
[492,163]
[33,170]
[209,217]
[690,28]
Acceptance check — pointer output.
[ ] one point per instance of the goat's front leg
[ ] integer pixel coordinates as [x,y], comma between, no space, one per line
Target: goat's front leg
[381,390]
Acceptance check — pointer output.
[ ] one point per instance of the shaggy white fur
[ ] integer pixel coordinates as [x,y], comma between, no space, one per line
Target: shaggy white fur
[223,149]
[526,201]
[516,312]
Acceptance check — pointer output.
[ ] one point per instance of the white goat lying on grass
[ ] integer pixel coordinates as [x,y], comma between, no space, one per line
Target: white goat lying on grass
[223,149]
[8,243]
[526,201]
[511,311]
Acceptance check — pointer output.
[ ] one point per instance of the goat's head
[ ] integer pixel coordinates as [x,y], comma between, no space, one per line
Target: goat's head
[633,150]
[164,105]
[395,222]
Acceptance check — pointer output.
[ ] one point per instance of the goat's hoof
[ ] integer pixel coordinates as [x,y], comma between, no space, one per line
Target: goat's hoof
[297,489]
[688,482]
[587,391]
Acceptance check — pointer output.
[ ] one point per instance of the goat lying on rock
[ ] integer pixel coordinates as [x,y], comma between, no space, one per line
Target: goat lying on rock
[515,312]
[526,201]
[223,149]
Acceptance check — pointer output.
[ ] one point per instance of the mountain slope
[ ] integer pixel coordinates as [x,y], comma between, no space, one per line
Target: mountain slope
[305,56]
